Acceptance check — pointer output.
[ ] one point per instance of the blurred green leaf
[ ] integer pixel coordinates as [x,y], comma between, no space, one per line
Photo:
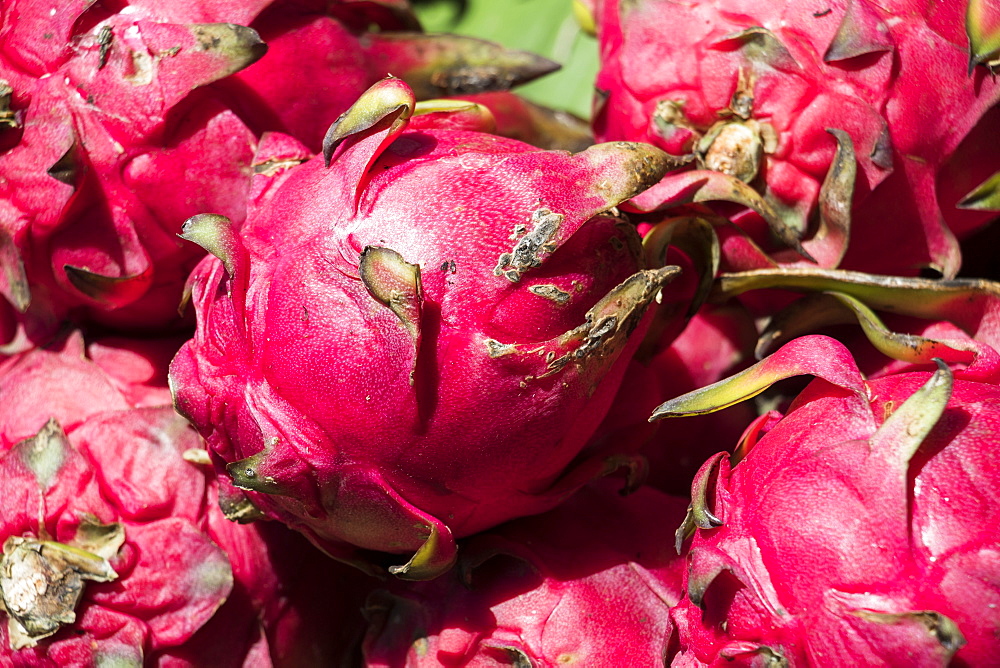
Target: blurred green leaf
[545,27]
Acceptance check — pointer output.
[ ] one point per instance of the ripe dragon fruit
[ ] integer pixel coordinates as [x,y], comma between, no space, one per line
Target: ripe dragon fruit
[82,504]
[102,506]
[414,336]
[127,101]
[858,529]
[589,583]
[779,104]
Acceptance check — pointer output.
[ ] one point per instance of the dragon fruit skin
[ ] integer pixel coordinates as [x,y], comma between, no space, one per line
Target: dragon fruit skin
[862,524]
[101,462]
[191,586]
[124,104]
[895,77]
[104,122]
[452,323]
[588,583]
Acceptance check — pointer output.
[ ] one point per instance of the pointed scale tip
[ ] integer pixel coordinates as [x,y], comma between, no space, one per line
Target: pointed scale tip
[901,434]
[627,168]
[391,100]
[215,234]
[982,25]
[437,65]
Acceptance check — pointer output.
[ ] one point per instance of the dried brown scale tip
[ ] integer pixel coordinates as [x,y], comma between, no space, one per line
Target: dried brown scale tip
[8,117]
[860,32]
[639,166]
[240,45]
[455,65]
[13,280]
[612,320]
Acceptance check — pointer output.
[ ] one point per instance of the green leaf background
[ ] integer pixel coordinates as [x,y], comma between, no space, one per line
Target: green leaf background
[546,27]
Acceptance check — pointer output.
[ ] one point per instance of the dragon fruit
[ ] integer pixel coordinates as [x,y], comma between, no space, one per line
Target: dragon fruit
[414,336]
[861,524]
[781,104]
[104,504]
[589,583]
[85,515]
[128,101]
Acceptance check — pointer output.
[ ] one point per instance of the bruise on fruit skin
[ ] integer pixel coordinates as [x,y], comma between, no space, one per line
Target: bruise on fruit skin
[550,292]
[530,244]
[41,581]
[143,69]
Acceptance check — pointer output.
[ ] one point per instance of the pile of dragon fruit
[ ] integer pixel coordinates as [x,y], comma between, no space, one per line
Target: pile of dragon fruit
[320,345]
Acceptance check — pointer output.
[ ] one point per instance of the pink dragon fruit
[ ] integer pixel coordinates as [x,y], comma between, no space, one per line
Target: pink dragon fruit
[104,506]
[90,112]
[589,583]
[414,336]
[128,101]
[858,529]
[96,490]
[779,104]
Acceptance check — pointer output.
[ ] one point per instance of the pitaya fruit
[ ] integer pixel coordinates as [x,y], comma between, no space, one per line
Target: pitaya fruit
[589,583]
[127,119]
[414,336]
[96,490]
[858,529]
[780,103]
[105,505]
